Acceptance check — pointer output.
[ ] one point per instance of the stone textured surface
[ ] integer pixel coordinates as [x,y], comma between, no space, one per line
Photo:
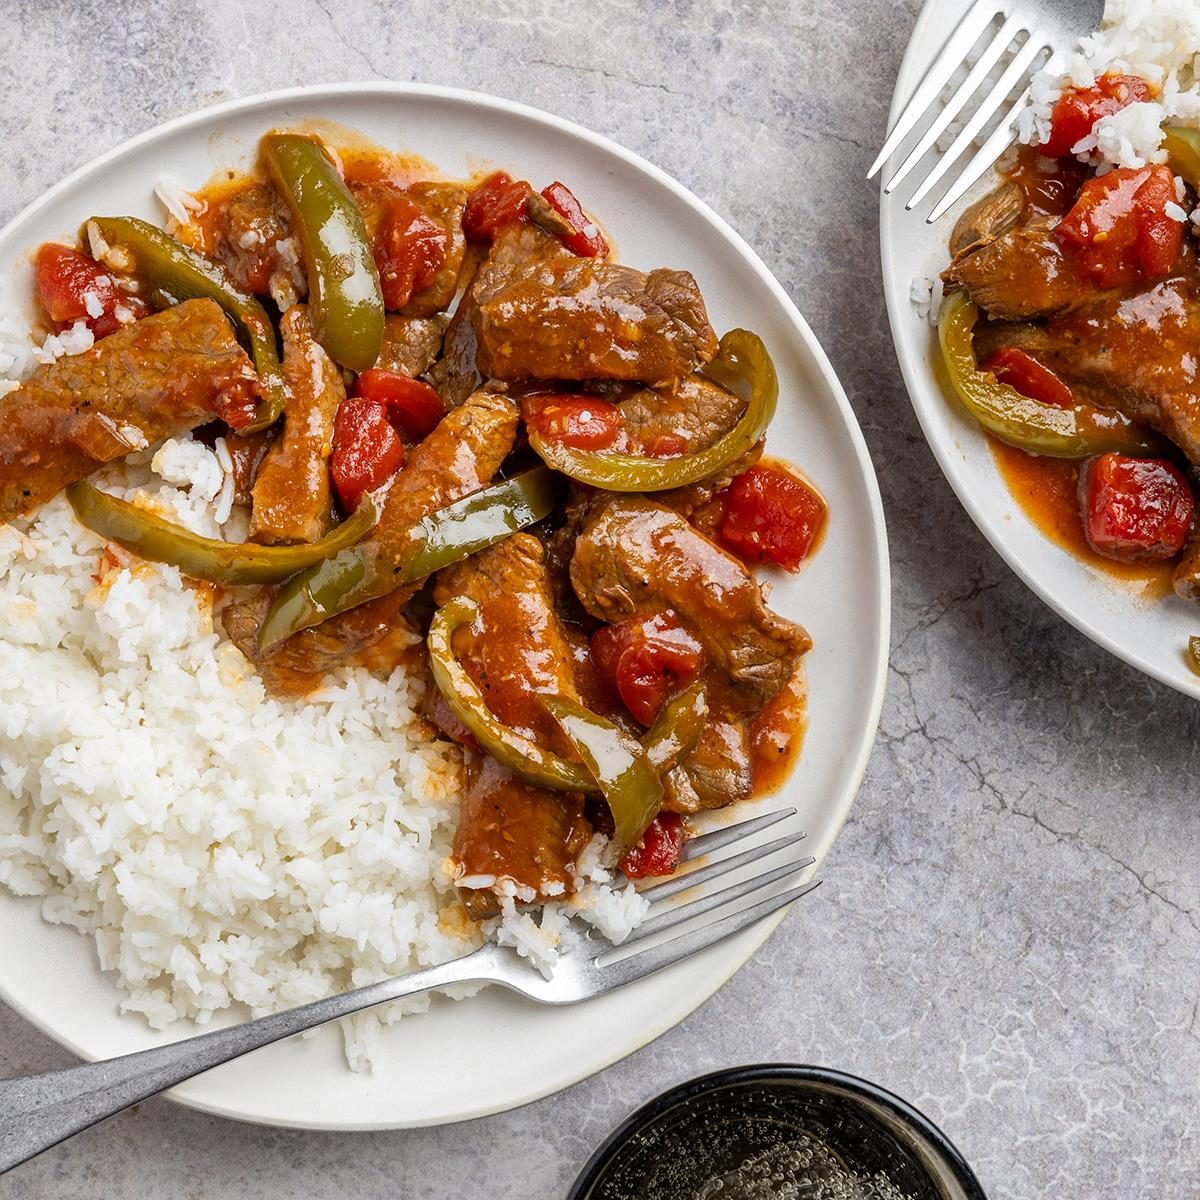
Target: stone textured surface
[1011,925]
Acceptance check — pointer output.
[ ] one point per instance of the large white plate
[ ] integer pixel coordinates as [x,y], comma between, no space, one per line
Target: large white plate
[495,1051]
[1150,634]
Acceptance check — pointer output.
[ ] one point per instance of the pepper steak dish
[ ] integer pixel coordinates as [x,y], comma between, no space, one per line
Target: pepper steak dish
[470,446]
[1070,324]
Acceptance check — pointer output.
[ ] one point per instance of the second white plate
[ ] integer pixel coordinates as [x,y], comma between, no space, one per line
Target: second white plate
[1151,635]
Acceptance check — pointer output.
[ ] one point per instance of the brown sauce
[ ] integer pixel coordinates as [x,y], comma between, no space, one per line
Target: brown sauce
[1047,490]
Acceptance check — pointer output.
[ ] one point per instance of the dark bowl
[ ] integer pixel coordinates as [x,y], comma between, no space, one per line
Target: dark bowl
[749,1126]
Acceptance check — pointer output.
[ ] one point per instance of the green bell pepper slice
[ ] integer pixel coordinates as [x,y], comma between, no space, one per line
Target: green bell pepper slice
[742,366]
[671,738]
[1028,424]
[1182,144]
[344,295]
[626,779]
[174,273]
[452,533]
[151,537]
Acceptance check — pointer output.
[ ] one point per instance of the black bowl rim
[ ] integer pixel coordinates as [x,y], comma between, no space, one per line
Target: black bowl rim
[791,1072]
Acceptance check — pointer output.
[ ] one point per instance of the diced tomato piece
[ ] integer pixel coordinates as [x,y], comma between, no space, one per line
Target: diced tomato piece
[411,404]
[584,422]
[409,248]
[1078,109]
[647,658]
[367,451]
[659,850]
[1135,509]
[1023,372]
[499,200]
[74,287]
[771,516]
[1119,226]
[587,241]
[237,406]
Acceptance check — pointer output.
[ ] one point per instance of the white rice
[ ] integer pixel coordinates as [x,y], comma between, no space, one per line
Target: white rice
[1156,39]
[220,847]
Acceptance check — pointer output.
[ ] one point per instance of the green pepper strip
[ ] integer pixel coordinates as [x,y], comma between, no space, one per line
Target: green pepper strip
[344,295]
[1193,654]
[1182,144]
[742,366]
[452,533]
[175,273]
[671,738]
[1018,420]
[231,563]
[628,782]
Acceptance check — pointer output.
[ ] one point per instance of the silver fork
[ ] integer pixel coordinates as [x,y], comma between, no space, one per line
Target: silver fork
[38,1111]
[1027,29]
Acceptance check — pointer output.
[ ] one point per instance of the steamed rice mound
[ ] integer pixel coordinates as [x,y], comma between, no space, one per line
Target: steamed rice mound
[222,847]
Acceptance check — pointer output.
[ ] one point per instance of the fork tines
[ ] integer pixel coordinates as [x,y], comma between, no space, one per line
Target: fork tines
[1017,36]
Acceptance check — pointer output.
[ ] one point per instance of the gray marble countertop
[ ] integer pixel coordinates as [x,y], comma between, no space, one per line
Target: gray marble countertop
[1010,928]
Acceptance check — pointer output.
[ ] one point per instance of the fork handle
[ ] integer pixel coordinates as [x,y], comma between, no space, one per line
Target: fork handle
[39,1111]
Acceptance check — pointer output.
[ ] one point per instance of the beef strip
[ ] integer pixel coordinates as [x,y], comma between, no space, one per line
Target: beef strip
[687,416]
[718,772]
[1134,353]
[411,344]
[1025,274]
[510,830]
[555,316]
[459,457]
[518,247]
[293,496]
[245,239]
[159,377]
[516,650]
[635,556]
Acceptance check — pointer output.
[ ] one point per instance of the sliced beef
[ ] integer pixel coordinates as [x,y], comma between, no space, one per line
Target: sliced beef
[988,219]
[293,497]
[459,457]
[518,248]
[1135,354]
[634,556]
[1187,573]
[508,830]
[159,377]
[411,344]
[552,315]
[718,772]
[250,236]
[687,416]
[515,651]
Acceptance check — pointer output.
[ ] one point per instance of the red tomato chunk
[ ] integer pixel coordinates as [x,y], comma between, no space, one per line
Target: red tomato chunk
[771,516]
[367,451]
[1135,509]
[1078,109]
[409,250]
[499,200]
[410,404]
[74,287]
[587,241]
[1023,372]
[584,422]
[647,658]
[659,850]
[1119,226]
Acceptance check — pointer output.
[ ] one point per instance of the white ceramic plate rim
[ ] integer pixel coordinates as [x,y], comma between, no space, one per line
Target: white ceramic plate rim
[925,392]
[872,703]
